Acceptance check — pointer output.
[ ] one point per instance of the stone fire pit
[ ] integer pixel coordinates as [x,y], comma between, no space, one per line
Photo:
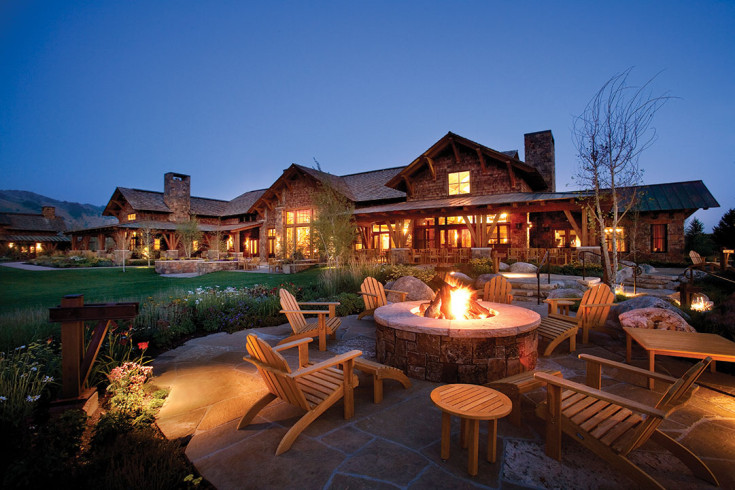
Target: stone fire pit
[457,351]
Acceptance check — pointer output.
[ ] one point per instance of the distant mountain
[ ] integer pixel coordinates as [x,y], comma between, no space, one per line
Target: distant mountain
[76,215]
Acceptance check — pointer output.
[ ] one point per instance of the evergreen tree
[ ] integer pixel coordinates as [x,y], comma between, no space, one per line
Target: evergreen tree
[696,239]
[724,232]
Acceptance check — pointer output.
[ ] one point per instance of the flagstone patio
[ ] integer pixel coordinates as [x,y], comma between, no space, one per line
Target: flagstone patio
[396,444]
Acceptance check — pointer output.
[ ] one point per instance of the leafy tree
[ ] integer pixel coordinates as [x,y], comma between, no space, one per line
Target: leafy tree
[189,232]
[610,134]
[724,232]
[696,239]
[333,224]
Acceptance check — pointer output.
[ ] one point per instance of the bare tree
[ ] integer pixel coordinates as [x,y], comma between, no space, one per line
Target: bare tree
[147,233]
[609,135]
[333,222]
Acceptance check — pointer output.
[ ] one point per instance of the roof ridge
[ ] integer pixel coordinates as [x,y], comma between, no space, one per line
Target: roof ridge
[371,171]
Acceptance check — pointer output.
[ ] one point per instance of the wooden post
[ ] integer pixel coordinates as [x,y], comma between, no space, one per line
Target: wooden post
[553,421]
[72,345]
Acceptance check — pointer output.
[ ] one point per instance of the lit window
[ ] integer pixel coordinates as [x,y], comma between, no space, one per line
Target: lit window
[459,183]
[303,216]
[11,245]
[156,244]
[289,217]
[658,238]
[131,217]
[566,238]
[39,248]
[620,239]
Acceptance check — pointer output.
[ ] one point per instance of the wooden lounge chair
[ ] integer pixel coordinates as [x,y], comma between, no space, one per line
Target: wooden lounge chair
[613,426]
[313,387]
[593,310]
[373,294]
[699,263]
[302,328]
[497,290]
[379,372]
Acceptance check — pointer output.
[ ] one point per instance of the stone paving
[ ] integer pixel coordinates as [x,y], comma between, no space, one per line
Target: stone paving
[396,444]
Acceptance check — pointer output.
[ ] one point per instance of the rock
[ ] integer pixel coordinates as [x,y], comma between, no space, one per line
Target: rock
[624,274]
[389,285]
[523,267]
[654,318]
[416,289]
[698,276]
[503,267]
[648,269]
[565,293]
[463,279]
[572,285]
[640,302]
[482,279]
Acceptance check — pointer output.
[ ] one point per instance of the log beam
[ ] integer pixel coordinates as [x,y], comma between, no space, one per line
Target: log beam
[481,157]
[430,164]
[573,222]
[468,224]
[455,149]
[511,174]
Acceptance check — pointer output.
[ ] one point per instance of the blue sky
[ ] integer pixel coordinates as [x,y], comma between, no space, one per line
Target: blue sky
[99,94]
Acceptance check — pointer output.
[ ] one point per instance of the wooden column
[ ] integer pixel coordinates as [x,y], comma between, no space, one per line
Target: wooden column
[72,346]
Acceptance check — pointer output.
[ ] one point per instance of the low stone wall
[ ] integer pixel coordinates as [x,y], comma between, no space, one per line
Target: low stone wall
[195,266]
[473,351]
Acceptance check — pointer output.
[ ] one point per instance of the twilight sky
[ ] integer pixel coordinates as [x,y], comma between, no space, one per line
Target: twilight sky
[98,94]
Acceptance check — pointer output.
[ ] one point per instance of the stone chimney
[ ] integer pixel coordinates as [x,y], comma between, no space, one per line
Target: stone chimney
[177,195]
[539,154]
[48,212]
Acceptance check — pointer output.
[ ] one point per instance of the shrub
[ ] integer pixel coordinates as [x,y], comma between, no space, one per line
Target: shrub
[481,266]
[393,272]
[25,373]
[126,387]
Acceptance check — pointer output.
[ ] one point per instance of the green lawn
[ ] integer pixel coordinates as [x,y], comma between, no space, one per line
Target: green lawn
[27,289]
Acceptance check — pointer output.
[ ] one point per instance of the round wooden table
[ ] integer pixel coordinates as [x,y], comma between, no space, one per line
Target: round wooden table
[471,403]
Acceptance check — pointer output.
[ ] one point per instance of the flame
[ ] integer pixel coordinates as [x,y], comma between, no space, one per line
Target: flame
[700,304]
[461,303]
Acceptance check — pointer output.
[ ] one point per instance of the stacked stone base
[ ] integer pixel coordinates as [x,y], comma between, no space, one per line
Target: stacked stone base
[456,359]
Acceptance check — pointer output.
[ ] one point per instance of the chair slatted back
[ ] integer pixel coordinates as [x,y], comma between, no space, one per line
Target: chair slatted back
[276,378]
[667,400]
[597,315]
[497,290]
[696,258]
[288,302]
[372,286]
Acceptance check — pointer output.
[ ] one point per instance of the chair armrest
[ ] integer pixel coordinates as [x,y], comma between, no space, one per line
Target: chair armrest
[340,359]
[327,303]
[295,343]
[263,366]
[307,312]
[599,394]
[367,294]
[627,367]
[403,294]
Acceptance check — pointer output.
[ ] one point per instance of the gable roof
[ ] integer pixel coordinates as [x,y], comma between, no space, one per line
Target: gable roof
[370,186]
[141,200]
[242,203]
[675,195]
[27,222]
[529,173]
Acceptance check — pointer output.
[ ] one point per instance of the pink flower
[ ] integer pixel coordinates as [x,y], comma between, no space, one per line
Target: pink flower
[142,345]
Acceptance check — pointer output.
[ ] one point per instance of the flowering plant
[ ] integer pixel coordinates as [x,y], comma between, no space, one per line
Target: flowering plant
[22,382]
[126,386]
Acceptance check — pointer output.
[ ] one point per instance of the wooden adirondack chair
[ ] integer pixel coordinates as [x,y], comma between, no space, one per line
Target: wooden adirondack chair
[593,310]
[699,263]
[613,426]
[497,290]
[313,328]
[373,294]
[313,387]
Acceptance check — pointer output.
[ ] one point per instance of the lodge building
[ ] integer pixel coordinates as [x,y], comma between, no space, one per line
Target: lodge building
[457,195]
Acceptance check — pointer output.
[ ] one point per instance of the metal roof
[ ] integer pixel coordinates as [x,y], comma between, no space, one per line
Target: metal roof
[675,195]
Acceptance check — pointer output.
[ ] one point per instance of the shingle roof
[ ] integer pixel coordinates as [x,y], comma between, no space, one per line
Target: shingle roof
[202,206]
[335,181]
[370,186]
[242,203]
[32,222]
[142,200]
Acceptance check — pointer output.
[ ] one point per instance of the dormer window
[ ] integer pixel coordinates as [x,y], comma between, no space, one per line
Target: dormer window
[131,217]
[459,183]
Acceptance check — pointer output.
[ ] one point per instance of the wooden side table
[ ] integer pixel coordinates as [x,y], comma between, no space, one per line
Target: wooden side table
[471,403]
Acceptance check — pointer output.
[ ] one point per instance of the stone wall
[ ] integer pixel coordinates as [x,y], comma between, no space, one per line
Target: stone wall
[539,153]
[177,195]
[456,359]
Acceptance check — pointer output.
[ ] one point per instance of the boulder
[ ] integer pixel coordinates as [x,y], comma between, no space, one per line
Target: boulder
[648,269]
[566,284]
[389,284]
[624,274]
[565,293]
[640,302]
[503,267]
[654,318]
[698,276]
[416,289]
[523,267]
[463,279]
[482,279]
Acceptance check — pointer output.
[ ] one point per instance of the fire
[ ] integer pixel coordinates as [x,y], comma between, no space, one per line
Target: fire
[461,304]
[701,304]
